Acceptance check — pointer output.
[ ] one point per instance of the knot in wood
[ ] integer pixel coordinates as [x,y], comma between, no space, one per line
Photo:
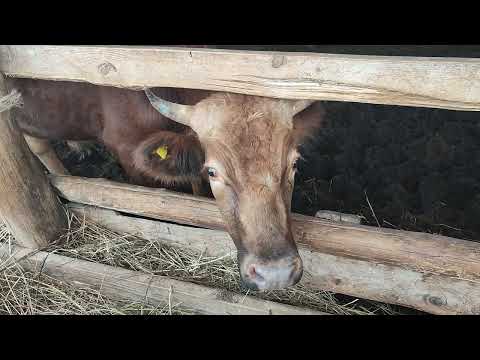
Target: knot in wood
[278,60]
[435,300]
[106,67]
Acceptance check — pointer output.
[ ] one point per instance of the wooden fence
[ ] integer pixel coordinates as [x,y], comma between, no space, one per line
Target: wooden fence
[436,274]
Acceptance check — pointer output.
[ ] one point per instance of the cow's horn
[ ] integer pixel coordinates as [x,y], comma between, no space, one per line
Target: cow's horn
[175,112]
[300,105]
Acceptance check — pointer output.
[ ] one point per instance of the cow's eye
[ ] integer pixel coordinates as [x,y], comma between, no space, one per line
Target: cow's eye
[212,172]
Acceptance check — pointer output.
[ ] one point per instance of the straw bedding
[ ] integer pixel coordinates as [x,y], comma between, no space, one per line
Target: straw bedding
[25,292]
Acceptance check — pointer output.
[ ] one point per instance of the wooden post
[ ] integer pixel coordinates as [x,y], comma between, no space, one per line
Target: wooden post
[28,204]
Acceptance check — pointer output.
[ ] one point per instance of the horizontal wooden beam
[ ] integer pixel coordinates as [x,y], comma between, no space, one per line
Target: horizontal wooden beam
[437,294]
[448,83]
[430,253]
[362,249]
[136,286]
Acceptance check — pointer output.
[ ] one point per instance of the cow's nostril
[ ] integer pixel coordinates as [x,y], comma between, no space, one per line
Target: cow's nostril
[274,275]
[254,274]
[251,271]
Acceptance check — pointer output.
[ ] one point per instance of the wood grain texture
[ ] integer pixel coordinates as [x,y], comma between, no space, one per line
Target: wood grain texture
[28,205]
[338,217]
[448,83]
[411,250]
[436,294]
[136,286]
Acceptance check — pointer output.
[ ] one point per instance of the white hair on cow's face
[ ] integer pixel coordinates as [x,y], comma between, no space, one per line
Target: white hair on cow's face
[271,180]
[255,115]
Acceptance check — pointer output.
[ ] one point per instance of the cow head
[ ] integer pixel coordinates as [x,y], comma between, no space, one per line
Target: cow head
[250,145]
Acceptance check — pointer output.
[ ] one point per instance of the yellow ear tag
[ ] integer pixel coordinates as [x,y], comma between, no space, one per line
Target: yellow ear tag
[162,152]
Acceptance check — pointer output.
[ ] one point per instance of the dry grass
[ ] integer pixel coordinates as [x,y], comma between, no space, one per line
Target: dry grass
[10,100]
[28,293]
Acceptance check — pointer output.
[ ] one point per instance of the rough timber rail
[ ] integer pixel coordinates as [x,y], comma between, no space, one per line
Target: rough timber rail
[396,269]
[448,83]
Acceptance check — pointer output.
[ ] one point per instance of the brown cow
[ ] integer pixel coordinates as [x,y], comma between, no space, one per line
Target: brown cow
[247,145]
[122,120]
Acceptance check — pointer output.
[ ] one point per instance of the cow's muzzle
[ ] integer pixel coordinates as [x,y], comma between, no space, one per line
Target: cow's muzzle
[258,274]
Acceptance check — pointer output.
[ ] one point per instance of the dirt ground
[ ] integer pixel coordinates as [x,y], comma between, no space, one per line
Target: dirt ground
[419,168]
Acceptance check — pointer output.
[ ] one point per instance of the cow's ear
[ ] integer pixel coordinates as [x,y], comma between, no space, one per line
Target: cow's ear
[308,122]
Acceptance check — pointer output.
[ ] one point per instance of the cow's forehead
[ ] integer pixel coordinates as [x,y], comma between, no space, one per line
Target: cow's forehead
[243,117]
[254,135]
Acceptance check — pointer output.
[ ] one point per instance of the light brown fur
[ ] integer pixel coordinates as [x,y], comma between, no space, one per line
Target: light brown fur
[120,119]
[252,143]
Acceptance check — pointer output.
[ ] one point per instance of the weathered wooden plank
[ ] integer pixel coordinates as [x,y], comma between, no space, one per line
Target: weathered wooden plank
[338,217]
[437,294]
[28,205]
[412,250]
[152,289]
[448,83]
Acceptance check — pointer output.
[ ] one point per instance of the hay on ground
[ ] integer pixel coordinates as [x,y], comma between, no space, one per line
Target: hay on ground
[23,292]
[13,99]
